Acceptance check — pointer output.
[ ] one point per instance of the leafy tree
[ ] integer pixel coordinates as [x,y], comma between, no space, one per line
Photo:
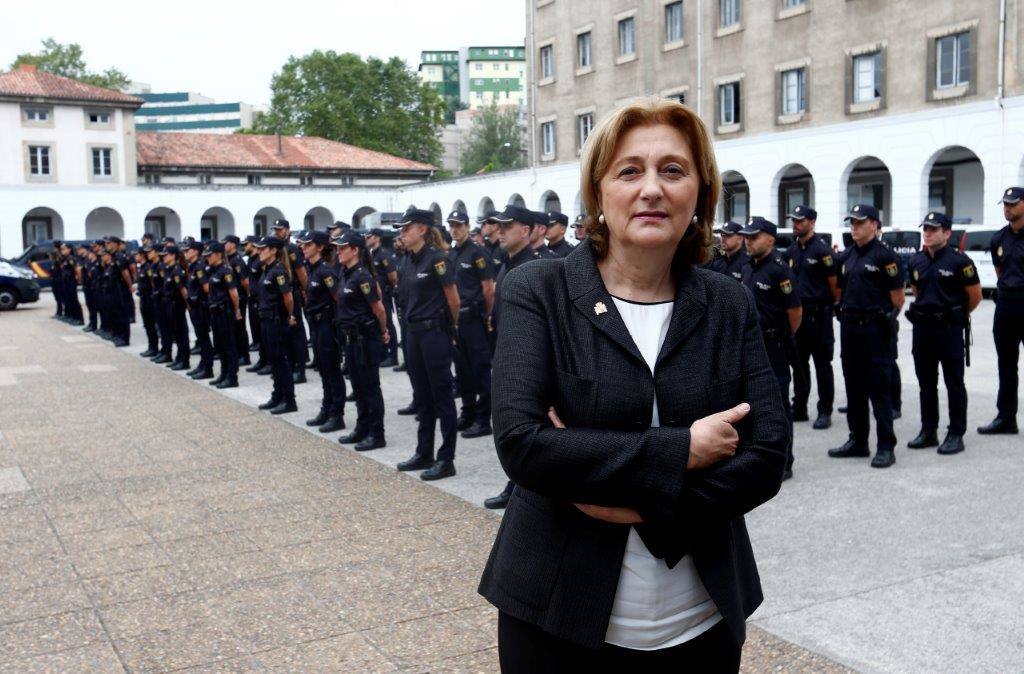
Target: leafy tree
[495,142]
[66,60]
[375,104]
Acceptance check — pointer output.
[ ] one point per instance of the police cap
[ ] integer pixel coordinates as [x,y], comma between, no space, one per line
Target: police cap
[802,212]
[936,219]
[862,212]
[1012,195]
[757,224]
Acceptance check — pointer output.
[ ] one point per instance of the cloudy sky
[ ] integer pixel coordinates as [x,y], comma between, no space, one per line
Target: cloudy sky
[230,50]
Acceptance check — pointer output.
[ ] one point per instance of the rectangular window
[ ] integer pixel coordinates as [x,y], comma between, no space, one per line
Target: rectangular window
[37,114]
[867,77]
[101,162]
[97,117]
[794,89]
[584,125]
[627,37]
[953,60]
[786,4]
[306,180]
[39,160]
[729,13]
[151,179]
[583,50]
[674,22]
[729,104]
[547,133]
[479,66]
[547,62]
[255,180]
[205,179]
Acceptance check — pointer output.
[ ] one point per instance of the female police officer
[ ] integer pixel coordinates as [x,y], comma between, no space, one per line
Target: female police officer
[198,309]
[320,282]
[221,284]
[363,328]
[431,314]
[173,293]
[277,316]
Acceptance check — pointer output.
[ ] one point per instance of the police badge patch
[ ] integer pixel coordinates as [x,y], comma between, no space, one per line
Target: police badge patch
[827,260]
[199,274]
[916,274]
[329,281]
[281,280]
[365,287]
[999,251]
[891,269]
[440,267]
[227,277]
[969,271]
[480,263]
[786,286]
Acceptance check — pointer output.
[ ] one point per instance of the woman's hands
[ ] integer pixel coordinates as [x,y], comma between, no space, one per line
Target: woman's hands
[714,438]
[603,513]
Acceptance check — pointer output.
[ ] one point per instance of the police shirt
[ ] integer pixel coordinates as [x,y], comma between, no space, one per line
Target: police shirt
[561,249]
[120,263]
[239,270]
[320,285]
[145,283]
[355,295]
[774,287]
[813,265]
[402,266]
[221,279]
[429,271]
[867,274]
[520,258]
[174,280]
[545,253]
[731,265]
[274,283]
[255,268]
[196,278]
[383,264]
[68,270]
[939,282]
[472,267]
[498,255]
[1007,251]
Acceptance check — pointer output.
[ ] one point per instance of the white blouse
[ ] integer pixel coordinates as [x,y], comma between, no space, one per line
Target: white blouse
[655,606]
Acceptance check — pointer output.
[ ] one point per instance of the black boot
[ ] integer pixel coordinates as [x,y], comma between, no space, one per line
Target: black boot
[148,353]
[205,373]
[924,439]
[439,471]
[953,444]
[999,426]
[822,422]
[265,370]
[228,382]
[883,458]
[333,424]
[371,442]
[353,437]
[408,411]
[285,407]
[477,430]
[416,462]
[319,420]
[501,500]
[162,358]
[255,367]
[180,365]
[849,450]
[219,379]
[272,403]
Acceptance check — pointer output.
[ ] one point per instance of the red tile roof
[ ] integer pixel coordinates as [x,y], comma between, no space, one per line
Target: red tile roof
[27,81]
[245,151]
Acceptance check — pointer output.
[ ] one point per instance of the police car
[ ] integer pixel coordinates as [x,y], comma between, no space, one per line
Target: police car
[17,285]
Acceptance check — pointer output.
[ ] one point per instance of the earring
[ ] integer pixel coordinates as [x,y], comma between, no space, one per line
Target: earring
[693,220]
[600,218]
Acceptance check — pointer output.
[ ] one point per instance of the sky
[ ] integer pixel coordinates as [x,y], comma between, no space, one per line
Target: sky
[230,50]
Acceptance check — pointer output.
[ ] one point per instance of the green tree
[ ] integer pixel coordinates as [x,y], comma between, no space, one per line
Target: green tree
[495,142]
[375,104]
[66,60]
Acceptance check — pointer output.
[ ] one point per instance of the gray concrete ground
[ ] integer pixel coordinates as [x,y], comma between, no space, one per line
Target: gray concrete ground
[232,514]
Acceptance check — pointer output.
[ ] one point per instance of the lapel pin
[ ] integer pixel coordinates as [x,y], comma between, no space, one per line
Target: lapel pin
[600,308]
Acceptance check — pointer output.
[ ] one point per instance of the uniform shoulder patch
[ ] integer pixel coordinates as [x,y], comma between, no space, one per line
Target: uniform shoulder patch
[177,279]
[999,251]
[199,273]
[281,279]
[969,271]
[892,269]
[329,281]
[365,287]
[480,262]
[917,274]
[227,277]
[786,286]
[440,267]
[827,260]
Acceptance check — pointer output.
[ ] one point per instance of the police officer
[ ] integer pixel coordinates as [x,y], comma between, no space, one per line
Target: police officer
[363,330]
[225,307]
[431,315]
[515,226]
[298,352]
[57,279]
[255,270]
[387,274]
[539,234]
[88,279]
[174,294]
[160,307]
[240,272]
[812,261]
[1007,249]
[773,285]
[277,317]
[71,273]
[147,309]
[946,290]
[492,239]
[871,298]
[474,273]
[732,253]
[320,308]
[198,308]
[120,299]
[558,223]
[579,227]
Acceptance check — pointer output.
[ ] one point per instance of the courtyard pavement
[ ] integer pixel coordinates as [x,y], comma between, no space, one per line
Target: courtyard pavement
[152,523]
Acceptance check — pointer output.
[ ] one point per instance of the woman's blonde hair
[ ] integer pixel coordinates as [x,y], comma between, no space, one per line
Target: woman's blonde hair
[600,151]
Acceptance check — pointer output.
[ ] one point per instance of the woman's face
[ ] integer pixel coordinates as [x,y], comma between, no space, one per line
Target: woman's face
[347,254]
[413,234]
[649,193]
[267,254]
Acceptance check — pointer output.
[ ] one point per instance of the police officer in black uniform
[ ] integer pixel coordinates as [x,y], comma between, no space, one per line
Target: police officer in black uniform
[814,264]
[515,226]
[1007,249]
[579,227]
[773,285]
[298,352]
[198,308]
[387,275]
[431,316]
[225,307]
[474,273]
[558,224]
[144,288]
[120,300]
[174,295]
[871,298]
[70,272]
[492,237]
[732,255]
[539,234]
[240,272]
[88,277]
[362,330]
[255,270]
[946,290]
[321,280]
[277,316]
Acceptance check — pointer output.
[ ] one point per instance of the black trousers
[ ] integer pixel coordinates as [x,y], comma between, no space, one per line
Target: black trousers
[328,356]
[120,326]
[298,352]
[254,324]
[275,341]
[72,306]
[779,361]
[241,335]
[866,351]
[897,378]
[161,307]
[179,329]
[815,340]
[90,304]
[198,313]
[404,345]
[147,309]
[525,648]
[936,344]
[363,356]
[429,357]
[1008,331]
[222,320]
[57,287]
[389,311]
[473,366]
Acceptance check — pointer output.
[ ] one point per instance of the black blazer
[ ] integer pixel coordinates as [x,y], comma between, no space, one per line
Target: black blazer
[557,568]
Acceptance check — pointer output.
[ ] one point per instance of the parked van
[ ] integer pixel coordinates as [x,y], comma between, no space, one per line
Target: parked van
[975,244]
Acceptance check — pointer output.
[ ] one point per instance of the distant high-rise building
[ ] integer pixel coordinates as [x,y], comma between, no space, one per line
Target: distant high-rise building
[188,111]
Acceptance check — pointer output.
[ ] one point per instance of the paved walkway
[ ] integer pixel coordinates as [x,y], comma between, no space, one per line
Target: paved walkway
[148,522]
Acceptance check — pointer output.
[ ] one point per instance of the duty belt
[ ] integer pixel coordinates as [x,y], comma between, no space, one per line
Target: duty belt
[427,325]
[270,315]
[322,315]
[861,317]
[219,306]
